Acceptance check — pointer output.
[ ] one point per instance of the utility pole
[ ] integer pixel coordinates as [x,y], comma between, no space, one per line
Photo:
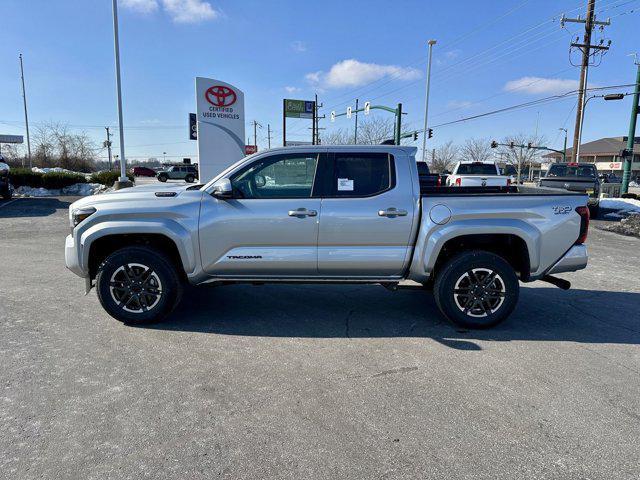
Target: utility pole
[255,133]
[107,144]
[355,132]
[585,48]
[123,181]
[26,117]
[431,43]
[564,150]
[628,158]
[268,135]
[398,124]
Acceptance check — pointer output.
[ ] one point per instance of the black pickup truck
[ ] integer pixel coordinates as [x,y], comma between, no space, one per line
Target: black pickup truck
[575,177]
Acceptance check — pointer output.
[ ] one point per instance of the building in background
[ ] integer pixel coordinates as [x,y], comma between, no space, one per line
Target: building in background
[605,153]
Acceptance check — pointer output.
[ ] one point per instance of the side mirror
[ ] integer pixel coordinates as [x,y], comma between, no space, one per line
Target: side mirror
[222,188]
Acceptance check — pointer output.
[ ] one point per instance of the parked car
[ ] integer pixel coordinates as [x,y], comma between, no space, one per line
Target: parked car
[330,214]
[477,174]
[5,183]
[575,177]
[609,178]
[144,172]
[188,173]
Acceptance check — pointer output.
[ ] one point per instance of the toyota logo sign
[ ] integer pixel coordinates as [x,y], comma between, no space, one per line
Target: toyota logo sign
[220,96]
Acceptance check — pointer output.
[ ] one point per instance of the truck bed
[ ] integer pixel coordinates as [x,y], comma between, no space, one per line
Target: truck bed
[432,191]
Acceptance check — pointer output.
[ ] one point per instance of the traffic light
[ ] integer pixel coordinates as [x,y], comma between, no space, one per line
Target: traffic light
[494,144]
[511,144]
[529,145]
[429,132]
[415,135]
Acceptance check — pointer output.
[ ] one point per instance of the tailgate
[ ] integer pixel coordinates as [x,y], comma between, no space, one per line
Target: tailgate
[483,181]
[571,184]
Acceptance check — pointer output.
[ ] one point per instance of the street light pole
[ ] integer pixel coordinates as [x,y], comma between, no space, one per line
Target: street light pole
[123,182]
[431,43]
[626,173]
[26,117]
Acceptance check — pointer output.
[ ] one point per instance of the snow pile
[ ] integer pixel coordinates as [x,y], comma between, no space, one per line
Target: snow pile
[622,205]
[634,184]
[77,189]
[627,226]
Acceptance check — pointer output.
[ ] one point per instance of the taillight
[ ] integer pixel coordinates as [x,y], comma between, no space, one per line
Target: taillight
[508,182]
[458,182]
[584,224]
[439,182]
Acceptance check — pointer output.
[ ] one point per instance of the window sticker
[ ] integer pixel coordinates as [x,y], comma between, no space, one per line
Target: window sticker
[345,185]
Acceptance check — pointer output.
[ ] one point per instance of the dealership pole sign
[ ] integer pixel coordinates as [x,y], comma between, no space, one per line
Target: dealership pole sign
[298,109]
[220,126]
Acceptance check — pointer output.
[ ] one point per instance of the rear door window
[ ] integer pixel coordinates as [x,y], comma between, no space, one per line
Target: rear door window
[361,174]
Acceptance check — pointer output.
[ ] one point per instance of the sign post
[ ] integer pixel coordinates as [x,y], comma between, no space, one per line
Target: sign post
[220,126]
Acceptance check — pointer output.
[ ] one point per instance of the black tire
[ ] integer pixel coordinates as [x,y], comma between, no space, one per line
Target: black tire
[594,211]
[468,272]
[190,179]
[162,178]
[125,264]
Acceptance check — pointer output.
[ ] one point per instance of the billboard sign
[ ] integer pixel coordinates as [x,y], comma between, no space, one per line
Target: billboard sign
[220,126]
[298,108]
[250,149]
[11,139]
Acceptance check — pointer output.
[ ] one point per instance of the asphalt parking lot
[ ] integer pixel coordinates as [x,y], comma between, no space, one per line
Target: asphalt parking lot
[313,381]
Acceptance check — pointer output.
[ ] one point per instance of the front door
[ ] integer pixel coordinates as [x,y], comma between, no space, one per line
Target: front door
[366,217]
[270,226]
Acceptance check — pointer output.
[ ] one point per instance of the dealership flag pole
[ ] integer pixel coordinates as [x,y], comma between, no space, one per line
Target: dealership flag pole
[123,182]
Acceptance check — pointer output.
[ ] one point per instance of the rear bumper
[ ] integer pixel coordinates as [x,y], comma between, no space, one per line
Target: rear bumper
[575,259]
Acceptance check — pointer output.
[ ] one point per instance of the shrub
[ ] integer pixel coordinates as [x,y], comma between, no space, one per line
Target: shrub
[57,180]
[108,178]
[24,177]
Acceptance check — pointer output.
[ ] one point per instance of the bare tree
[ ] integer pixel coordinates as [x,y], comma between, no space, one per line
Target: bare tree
[476,150]
[56,146]
[372,131]
[522,157]
[444,157]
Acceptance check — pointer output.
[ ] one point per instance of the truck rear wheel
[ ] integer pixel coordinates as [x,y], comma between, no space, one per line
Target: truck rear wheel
[476,289]
[138,285]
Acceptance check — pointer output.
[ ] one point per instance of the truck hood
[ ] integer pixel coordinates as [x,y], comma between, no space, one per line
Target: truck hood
[171,193]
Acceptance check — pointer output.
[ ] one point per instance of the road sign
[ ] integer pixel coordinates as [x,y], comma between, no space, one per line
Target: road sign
[298,108]
[193,126]
[11,139]
[250,149]
[367,108]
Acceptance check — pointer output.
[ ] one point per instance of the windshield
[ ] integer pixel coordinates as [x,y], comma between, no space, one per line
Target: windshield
[477,169]
[572,171]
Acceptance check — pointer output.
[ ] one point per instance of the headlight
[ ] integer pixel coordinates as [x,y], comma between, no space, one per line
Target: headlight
[79,214]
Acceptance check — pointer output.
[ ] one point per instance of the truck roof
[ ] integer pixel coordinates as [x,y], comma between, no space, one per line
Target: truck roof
[341,148]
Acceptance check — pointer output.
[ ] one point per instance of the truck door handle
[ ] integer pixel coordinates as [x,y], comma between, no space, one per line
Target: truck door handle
[392,212]
[302,212]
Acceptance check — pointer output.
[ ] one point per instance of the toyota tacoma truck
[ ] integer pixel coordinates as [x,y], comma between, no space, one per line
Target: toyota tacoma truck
[477,174]
[335,215]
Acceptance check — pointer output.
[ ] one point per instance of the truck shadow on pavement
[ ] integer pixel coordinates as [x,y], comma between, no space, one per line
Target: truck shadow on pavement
[316,311]
[31,207]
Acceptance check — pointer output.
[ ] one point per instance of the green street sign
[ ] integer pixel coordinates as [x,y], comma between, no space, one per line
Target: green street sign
[298,108]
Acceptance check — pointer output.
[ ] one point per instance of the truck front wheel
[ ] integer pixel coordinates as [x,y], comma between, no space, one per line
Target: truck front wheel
[138,285]
[476,289]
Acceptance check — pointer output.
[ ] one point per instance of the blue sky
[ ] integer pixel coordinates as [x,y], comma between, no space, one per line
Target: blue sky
[504,53]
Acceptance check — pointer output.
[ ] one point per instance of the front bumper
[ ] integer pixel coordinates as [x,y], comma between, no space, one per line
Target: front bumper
[575,259]
[72,257]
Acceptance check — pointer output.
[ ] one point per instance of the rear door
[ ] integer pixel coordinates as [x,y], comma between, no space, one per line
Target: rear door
[366,215]
[270,226]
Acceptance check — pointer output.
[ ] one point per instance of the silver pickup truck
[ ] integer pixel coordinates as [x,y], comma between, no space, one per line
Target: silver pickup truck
[335,214]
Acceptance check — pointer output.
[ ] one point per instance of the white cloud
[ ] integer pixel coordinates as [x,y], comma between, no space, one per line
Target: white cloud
[538,85]
[142,6]
[353,73]
[298,46]
[190,11]
[452,54]
[458,104]
[292,89]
